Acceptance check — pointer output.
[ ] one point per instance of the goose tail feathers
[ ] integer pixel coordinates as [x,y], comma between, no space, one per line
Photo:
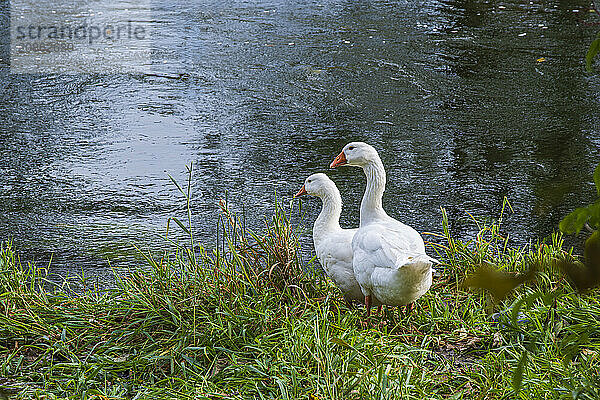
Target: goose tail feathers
[421,262]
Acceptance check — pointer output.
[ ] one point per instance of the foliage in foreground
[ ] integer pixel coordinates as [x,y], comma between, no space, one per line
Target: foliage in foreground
[251,321]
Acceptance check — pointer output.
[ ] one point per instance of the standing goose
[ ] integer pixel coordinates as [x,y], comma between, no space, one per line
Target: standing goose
[389,262]
[333,244]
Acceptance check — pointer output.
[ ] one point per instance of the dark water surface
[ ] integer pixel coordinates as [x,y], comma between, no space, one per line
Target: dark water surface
[450,92]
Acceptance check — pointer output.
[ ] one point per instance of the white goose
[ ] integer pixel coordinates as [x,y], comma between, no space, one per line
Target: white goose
[389,262]
[333,244]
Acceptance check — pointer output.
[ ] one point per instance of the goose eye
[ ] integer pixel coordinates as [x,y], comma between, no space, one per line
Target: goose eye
[351,148]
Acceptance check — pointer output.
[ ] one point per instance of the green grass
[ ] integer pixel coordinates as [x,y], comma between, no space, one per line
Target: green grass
[251,320]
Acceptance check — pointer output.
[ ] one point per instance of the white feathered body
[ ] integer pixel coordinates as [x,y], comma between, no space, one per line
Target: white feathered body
[390,262]
[333,244]
[334,251]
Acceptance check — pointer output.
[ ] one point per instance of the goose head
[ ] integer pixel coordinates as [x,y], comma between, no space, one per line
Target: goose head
[355,154]
[317,185]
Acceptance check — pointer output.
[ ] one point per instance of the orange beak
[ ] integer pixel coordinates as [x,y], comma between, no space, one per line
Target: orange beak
[339,160]
[301,192]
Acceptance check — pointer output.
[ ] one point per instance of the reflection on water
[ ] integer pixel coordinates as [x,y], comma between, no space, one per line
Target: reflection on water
[451,92]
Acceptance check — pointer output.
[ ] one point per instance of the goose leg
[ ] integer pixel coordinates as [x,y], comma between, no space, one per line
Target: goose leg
[405,310]
[368,304]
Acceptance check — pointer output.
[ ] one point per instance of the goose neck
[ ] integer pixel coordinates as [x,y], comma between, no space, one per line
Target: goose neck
[372,206]
[329,218]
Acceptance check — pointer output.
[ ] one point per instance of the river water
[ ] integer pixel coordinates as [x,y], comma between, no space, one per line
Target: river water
[468,102]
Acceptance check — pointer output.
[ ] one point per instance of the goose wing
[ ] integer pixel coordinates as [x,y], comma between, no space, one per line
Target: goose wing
[388,247]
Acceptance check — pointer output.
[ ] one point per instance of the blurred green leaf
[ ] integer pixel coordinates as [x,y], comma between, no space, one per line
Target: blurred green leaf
[576,220]
[585,276]
[517,379]
[594,210]
[591,53]
[498,283]
[571,345]
[528,301]
[8,388]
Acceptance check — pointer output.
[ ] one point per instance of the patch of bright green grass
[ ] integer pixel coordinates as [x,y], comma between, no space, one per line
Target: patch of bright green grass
[250,320]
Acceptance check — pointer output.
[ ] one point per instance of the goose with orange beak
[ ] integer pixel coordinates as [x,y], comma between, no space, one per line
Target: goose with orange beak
[389,259]
[339,160]
[333,244]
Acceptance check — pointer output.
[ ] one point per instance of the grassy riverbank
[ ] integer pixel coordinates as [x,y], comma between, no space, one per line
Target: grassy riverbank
[250,321]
